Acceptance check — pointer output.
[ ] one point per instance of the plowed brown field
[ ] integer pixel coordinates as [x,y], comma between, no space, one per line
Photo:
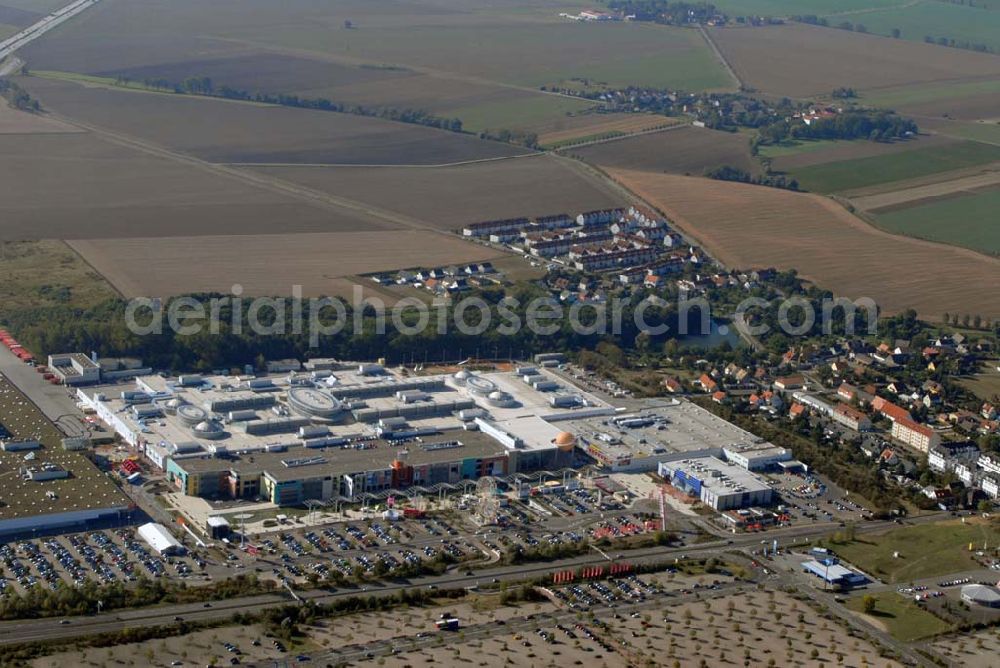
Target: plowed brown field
[753,226]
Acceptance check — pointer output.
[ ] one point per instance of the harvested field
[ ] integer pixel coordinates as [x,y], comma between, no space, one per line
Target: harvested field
[801,60]
[594,125]
[449,197]
[263,72]
[265,264]
[907,197]
[809,153]
[225,131]
[73,186]
[16,122]
[754,226]
[687,150]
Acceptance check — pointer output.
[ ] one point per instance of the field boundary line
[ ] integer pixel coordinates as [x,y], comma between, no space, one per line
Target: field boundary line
[606,140]
[348,165]
[274,184]
[416,69]
[721,57]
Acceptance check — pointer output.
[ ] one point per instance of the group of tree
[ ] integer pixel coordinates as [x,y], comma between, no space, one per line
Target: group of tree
[730,173]
[844,93]
[853,124]
[38,601]
[17,97]
[665,11]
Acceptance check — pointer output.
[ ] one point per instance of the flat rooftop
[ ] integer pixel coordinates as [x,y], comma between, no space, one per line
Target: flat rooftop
[86,488]
[527,411]
[719,476]
[340,461]
[667,428]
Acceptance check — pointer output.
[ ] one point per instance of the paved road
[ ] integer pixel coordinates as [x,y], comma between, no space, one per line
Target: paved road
[33,32]
[54,628]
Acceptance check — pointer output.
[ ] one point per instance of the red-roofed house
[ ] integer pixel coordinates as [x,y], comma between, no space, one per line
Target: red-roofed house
[707,384]
[890,410]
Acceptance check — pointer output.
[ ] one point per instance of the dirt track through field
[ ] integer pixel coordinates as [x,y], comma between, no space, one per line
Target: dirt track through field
[748,226]
[915,196]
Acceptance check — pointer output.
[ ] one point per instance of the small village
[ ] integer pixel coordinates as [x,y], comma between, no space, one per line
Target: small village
[892,400]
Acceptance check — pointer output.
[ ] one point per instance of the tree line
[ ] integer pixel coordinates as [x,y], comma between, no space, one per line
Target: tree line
[206,87]
[730,173]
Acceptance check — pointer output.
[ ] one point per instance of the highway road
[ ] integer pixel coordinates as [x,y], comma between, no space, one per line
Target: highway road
[58,628]
[39,28]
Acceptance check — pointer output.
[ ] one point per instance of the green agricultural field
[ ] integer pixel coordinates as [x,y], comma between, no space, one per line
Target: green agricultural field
[529,54]
[798,147]
[522,113]
[926,550]
[937,19]
[987,133]
[846,175]
[7,30]
[969,220]
[903,96]
[904,619]
[794,7]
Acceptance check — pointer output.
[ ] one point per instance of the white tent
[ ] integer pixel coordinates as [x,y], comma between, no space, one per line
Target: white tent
[159,539]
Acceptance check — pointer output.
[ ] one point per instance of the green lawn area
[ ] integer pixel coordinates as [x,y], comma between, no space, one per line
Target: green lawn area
[848,175]
[522,113]
[968,221]
[925,550]
[904,619]
[986,384]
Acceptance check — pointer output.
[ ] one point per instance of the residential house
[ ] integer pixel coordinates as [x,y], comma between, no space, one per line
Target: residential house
[707,384]
[890,410]
[672,385]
